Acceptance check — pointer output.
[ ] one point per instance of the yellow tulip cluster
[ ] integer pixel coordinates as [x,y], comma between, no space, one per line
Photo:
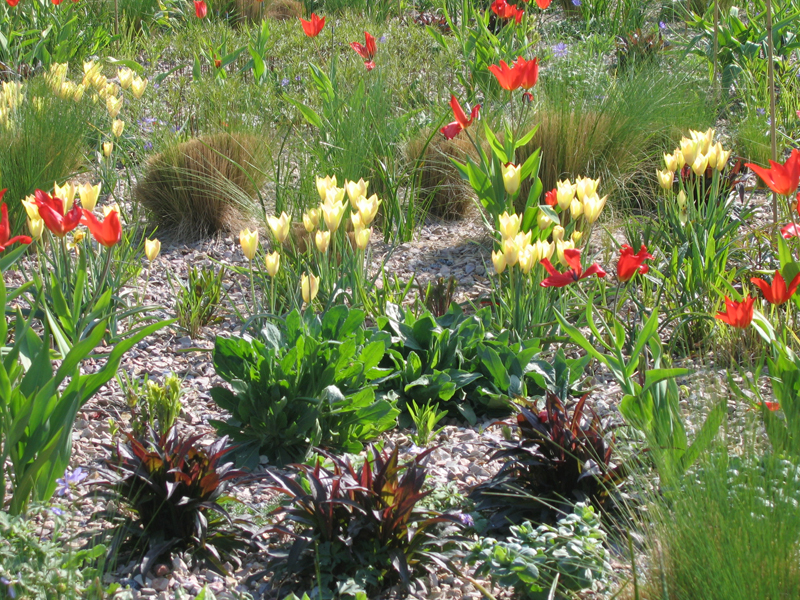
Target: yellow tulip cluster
[11,95]
[87,193]
[517,247]
[581,198]
[699,151]
[334,206]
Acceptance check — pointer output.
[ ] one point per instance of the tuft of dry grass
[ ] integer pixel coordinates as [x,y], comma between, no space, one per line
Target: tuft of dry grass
[205,185]
[442,189]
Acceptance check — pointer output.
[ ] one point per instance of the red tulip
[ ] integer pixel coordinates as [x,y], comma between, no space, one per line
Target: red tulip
[530,72]
[543,4]
[783,178]
[576,273]
[551,197]
[773,406]
[314,26]
[778,292]
[12,3]
[200,8]
[737,314]
[51,210]
[367,52]
[5,230]
[108,232]
[523,73]
[56,2]
[462,122]
[504,10]
[791,230]
[629,263]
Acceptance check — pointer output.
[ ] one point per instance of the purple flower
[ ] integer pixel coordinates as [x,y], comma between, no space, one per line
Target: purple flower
[466,519]
[70,480]
[9,587]
[148,145]
[298,78]
[284,82]
[560,50]
[576,2]
[56,511]
[761,111]
[382,39]
[662,26]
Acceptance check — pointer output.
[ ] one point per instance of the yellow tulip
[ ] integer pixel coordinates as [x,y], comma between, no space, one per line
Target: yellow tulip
[355,218]
[576,237]
[509,225]
[575,208]
[679,159]
[560,247]
[499,262]
[249,242]
[585,186]
[558,233]
[31,208]
[362,237]
[511,178]
[117,127]
[324,184]
[113,105]
[322,239]
[109,90]
[152,248]
[368,208]
[138,87]
[66,193]
[523,239]
[681,200]
[99,82]
[273,263]
[89,194]
[311,219]
[57,75]
[543,221]
[90,71]
[722,157]
[78,92]
[712,157]
[542,250]
[109,208]
[108,148]
[689,150]
[665,179]
[527,258]
[309,285]
[670,163]
[511,252]
[280,226]
[125,77]
[36,227]
[334,195]
[565,192]
[332,214]
[67,90]
[355,190]
[700,164]
[593,206]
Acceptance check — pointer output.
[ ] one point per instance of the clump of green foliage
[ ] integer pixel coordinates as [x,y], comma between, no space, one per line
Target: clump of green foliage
[198,302]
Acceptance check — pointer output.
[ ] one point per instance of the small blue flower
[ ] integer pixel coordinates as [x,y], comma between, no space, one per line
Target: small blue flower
[148,145]
[298,78]
[9,587]
[284,82]
[56,511]
[382,39]
[70,480]
[662,26]
[466,519]
[576,2]
[560,50]
[761,111]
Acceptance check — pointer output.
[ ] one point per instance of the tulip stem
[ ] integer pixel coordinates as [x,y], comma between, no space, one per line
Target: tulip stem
[771,84]
[99,286]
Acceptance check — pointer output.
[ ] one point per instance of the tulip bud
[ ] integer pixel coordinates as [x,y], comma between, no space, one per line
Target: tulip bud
[670,163]
[565,193]
[152,248]
[66,193]
[543,221]
[681,200]
[88,194]
[712,157]
[31,208]
[138,87]
[368,208]
[36,227]
[355,190]
[280,226]
[510,252]
[699,165]
[108,148]
[125,77]
[273,263]
[558,233]
[584,186]
[113,105]
[722,157]
[499,262]
[511,178]
[323,239]
[309,286]
[509,225]
[593,206]
[117,127]
[362,237]
[311,219]
[576,237]
[679,159]
[575,208]
[665,179]
[324,184]
[249,242]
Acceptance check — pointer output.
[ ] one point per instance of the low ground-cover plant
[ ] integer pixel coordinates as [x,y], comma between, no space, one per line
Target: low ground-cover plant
[309,381]
[198,303]
[360,529]
[557,459]
[547,561]
[172,488]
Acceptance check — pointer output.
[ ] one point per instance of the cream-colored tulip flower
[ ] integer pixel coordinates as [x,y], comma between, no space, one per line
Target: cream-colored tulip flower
[138,87]
[117,127]
[280,226]
[311,219]
[558,233]
[511,178]
[323,184]
[31,208]
[575,208]
[543,221]
[108,148]
[36,227]
[700,164]
[332,215]
[322,240]
[249,242]
[125,77]
[670,163]
[499,262]
[113,105]
[665,179]
[66,193]
[362,236]
[689,150]
[593,206]
[309,286]
[561,245]
[586,186]
[273,263]
[368,208]
[527,259]
[509,225]
[511,252]
[88,194]
[355,190]
[152,248]
[565,192]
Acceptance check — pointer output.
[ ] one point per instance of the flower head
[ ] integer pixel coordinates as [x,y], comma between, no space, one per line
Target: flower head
[575,273]
[273,263]
[324,184]
[152,248]
[366,51]
[737,314]
[107,232]
[249,242]
[355,190]
[332,213]
[509,225]
[782,179]
[125,77]
[511,177]
[629,263]
[280,226]
[593,206]
[88,194]
[5,229]
[309,287]
[311,219]
[565,193]
[200,8]
[313,27]
[322,240]
[451,130]
[56,219]
[778,292]
[70,480]
[368,208]
[499,261]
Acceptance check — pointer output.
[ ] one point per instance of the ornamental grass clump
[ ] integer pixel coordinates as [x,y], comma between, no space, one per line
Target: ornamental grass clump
[204,186]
